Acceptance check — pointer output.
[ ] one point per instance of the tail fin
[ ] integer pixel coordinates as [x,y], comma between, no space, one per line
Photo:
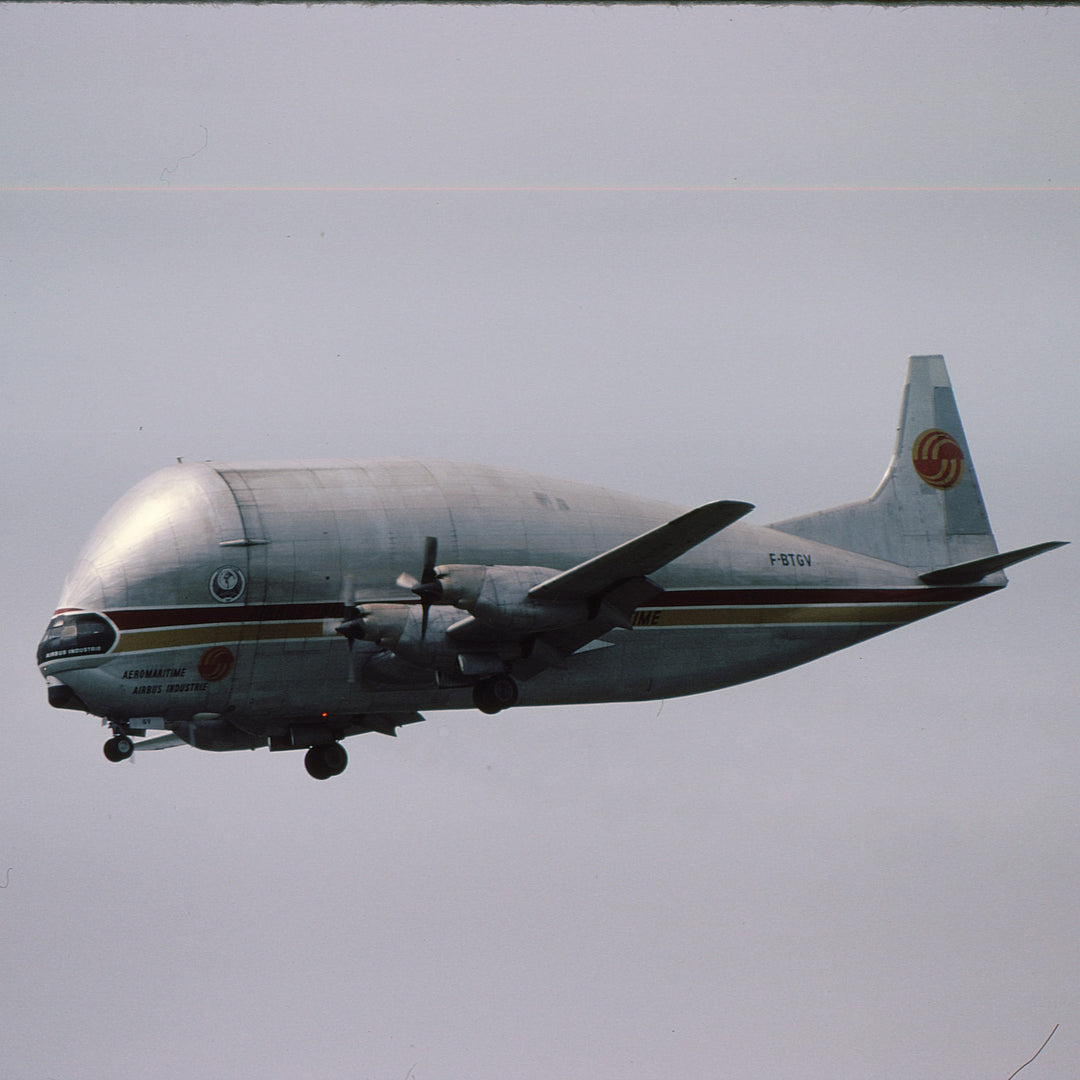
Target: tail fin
[928,511]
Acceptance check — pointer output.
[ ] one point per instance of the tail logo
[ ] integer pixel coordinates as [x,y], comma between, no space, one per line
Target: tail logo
[938,459]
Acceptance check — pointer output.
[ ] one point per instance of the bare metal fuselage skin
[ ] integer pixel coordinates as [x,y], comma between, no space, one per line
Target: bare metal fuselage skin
[241,605]
[747,603]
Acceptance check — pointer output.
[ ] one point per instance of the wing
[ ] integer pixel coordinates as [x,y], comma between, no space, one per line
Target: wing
[611,585]
[641,556]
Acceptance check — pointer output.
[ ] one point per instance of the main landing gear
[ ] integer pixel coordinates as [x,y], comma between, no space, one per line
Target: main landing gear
[326,760]
[495,694]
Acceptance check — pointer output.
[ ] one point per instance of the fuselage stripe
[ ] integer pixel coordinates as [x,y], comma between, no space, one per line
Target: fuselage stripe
[757,597]
[892,614]
[223,616]
[147,618]
[183,636]
[145,629]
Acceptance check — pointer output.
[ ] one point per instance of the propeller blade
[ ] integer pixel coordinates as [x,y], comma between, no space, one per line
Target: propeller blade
[431,554]
[350,616]
[429,587]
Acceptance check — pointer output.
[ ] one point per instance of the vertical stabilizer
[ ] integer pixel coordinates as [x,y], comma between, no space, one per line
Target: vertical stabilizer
[928,511]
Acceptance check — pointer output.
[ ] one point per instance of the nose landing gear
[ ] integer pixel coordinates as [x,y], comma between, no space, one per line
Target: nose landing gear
[118,748]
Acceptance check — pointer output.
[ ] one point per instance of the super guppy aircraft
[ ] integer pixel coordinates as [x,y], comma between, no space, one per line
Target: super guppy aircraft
[291,604]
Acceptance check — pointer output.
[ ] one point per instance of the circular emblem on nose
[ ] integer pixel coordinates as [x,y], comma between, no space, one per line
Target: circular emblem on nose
[938,459]
[215,663]
[227,584]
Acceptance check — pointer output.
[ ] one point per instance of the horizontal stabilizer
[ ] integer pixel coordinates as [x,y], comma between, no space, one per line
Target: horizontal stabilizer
[641,556]
[970,572]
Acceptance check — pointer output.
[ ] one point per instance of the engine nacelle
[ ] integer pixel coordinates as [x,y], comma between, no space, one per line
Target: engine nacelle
[387,668]
[498,596]
[383,624]
[400,629]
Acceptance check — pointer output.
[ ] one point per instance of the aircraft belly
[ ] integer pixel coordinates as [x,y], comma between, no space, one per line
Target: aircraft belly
[648,665]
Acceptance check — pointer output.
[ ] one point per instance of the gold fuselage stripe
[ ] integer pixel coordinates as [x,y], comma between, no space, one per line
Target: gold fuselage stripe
[180,637]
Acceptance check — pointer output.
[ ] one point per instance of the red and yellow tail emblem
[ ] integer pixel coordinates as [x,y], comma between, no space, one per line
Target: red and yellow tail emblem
[938,459]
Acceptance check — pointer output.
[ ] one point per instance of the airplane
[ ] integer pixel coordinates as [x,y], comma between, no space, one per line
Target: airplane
[292,604]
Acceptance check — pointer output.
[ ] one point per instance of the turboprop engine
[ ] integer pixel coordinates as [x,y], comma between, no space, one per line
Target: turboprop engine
[417,637]
[499,596]
[415,647]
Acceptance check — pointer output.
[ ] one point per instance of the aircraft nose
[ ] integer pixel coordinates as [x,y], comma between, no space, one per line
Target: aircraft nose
[72,634]
[73,640]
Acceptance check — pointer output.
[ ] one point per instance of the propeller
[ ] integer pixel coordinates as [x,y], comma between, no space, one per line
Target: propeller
[352,624]
[429,587]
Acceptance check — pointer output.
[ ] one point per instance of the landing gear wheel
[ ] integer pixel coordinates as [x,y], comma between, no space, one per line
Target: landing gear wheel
[119,748]
[495,694]
[325,761]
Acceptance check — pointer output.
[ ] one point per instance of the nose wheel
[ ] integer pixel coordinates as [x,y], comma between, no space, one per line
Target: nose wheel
[495,694]
[326,760]
[119,748]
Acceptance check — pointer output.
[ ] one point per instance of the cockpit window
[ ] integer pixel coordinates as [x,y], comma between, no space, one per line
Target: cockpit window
[82,634]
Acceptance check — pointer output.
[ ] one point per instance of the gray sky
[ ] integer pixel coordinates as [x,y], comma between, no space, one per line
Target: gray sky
[677,251]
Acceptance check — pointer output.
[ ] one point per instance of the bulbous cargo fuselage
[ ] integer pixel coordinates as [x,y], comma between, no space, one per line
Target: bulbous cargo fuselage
[208,599]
